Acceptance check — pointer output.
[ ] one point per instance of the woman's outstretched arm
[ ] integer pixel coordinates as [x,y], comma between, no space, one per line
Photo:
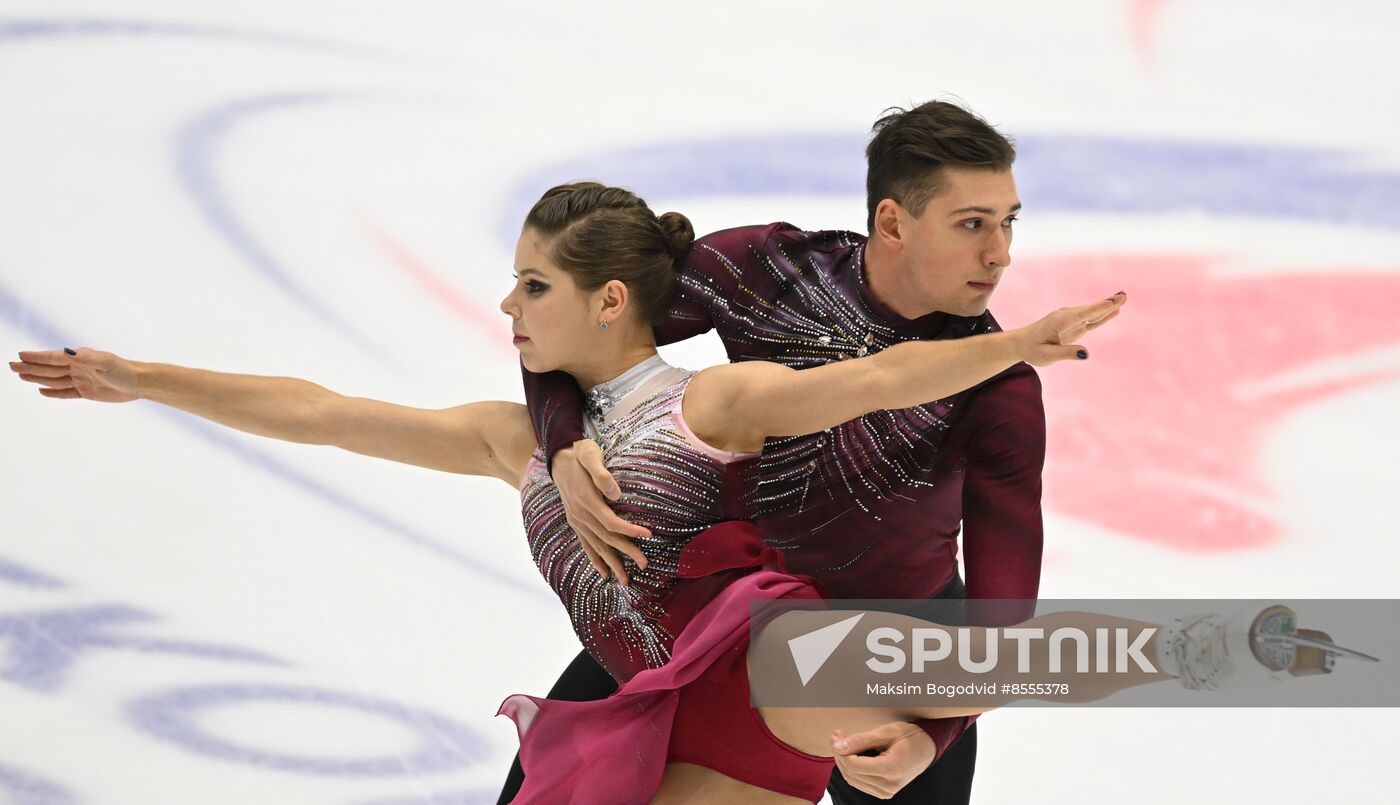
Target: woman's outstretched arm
[485,438]
[736,406]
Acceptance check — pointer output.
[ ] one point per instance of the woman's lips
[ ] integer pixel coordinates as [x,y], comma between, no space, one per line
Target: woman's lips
[519,339]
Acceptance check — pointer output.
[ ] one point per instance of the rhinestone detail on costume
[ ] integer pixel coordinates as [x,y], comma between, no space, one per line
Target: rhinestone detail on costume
[668,486]
[872,457]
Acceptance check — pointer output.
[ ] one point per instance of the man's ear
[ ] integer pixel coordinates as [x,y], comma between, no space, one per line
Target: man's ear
[889,228]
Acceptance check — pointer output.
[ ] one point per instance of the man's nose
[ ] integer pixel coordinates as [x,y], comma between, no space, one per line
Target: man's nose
[998,251]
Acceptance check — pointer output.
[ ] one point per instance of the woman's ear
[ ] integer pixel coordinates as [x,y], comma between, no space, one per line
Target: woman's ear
[614,299]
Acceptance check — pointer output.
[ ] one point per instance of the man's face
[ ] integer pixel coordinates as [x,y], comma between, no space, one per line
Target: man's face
[954,253]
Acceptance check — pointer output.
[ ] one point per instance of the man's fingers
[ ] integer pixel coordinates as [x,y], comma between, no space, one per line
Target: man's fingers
[608,519]
[878,738]
[603,532]
[884,774]
[595,549]
[873,786]
[856,770]
[614,562]
[626,546]
[586,525]
[881,765]
[860,769]
[593,557]
[614,530]
[590,457]
[584,510]
[587,528]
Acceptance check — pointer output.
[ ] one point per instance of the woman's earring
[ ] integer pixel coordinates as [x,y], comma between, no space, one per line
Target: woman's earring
[603,324]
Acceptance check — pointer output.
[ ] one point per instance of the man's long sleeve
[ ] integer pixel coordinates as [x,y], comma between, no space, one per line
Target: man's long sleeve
[556,409]
[1003,532]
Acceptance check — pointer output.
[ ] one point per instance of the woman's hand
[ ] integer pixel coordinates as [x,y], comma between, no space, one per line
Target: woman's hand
[89,375]
[1052,339]
[582,479]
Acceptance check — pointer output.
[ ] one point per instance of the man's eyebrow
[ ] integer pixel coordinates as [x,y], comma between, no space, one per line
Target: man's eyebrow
[984,210]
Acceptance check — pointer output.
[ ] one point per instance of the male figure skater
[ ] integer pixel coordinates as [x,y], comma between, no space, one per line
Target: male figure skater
[871,508]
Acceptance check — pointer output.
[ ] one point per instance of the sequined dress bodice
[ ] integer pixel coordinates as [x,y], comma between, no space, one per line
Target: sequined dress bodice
[671,483]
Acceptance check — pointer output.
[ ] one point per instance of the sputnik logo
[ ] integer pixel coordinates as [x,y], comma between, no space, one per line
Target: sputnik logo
[811,651]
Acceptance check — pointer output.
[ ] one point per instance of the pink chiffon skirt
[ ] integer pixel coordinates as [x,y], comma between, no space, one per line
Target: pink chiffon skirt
[615,750]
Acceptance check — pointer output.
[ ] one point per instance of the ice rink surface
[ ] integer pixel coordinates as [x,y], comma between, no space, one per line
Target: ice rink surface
[331,191]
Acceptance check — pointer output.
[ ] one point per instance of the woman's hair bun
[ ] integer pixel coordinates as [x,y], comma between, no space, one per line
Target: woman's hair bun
[679,233]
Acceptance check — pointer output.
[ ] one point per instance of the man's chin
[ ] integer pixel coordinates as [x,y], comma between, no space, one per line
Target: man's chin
[974,310]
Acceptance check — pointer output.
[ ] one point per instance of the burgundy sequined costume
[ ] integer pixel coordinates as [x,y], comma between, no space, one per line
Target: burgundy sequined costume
[870,508]
[676,637]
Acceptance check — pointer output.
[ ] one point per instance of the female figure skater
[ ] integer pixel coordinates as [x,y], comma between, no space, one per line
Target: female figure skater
[594,267]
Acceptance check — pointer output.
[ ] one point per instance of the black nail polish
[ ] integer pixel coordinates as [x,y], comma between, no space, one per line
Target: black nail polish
[69,351]
[1083,355]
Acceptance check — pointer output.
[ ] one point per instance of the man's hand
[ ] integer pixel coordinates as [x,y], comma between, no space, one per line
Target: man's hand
[583,481]
[904,751]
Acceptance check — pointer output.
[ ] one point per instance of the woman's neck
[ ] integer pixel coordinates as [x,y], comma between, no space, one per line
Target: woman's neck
[610,367]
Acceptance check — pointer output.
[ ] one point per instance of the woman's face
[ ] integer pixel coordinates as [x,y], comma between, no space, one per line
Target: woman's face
[554,321]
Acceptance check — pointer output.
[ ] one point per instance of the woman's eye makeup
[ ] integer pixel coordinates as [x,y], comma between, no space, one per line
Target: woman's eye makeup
[533,287]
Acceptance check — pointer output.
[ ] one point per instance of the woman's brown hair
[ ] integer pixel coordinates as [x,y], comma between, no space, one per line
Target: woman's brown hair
[599,233]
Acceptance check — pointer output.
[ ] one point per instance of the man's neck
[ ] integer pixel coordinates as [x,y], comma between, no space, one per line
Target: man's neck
[887,285]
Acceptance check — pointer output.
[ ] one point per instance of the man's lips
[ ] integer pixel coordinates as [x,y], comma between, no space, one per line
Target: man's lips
[983,286]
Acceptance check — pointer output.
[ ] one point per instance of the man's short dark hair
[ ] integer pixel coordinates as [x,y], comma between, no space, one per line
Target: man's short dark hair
[911,147]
